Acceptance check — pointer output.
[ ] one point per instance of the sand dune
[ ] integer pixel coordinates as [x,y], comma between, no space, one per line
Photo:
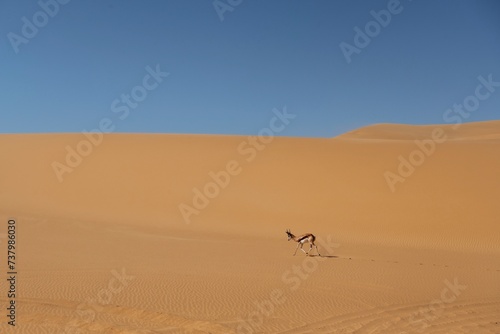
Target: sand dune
[151,233]
[465,131]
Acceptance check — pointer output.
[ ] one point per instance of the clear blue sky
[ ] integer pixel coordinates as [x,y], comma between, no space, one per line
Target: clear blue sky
[227,76]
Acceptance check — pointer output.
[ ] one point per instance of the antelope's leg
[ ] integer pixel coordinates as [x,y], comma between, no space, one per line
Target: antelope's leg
[302,249]
[317,250]
[298,244]
[310,247]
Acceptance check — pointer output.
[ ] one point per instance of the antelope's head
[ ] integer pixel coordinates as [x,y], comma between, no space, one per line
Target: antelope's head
[289,234]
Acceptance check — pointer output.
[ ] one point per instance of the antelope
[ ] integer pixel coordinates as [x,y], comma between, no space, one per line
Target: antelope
[301,240]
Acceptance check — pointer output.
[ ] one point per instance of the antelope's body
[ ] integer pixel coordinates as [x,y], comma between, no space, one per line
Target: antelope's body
[301,240]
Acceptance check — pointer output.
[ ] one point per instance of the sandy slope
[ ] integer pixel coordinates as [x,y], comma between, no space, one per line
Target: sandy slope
[108,249]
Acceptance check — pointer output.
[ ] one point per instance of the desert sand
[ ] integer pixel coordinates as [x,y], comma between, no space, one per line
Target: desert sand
[156,233]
